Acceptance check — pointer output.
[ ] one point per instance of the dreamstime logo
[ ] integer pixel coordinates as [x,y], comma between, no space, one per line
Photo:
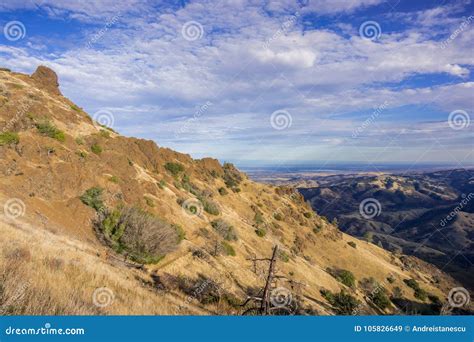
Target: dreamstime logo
[192,30]
[97,36]
[192,207]
[22,109]
[375,114]
[104,118]
[370,30]
[281,297]
[18,296]
[459,119]
[465,200]
[200,110]
[281,119]
[103,297]
[14,30]
[458,297]
[370,208]
[461,28]
[14,208]
[282,30]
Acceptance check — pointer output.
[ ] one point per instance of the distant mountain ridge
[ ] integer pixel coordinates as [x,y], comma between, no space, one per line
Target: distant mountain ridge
[430,215]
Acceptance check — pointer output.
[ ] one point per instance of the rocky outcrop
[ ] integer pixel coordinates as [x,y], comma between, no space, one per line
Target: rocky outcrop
[46,79]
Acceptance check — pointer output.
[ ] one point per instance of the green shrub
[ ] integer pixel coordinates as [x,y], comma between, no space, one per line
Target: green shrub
[75,108]
[435,299]
[344,303]
[174,168]
[210,206]
[141,236]
[223,191]
[95,148]
[258,218]
[317,229]
[369,236]
[180,232]
[48,129]
[105,134]
[81,154]
[80,141]
[228,249]
[419,292]
[328,295]
[224,229]
[232,176]
[344,276]
[380,298]
[283,256]
[114,179]
[161,184]
[411,283]
[308,214]
[107,128]
[278,216]
[149,201]
[93,198]
[9,138]
[260,232]
[352,244]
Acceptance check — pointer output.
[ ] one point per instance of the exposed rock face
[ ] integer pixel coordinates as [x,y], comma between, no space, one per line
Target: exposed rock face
[47,79]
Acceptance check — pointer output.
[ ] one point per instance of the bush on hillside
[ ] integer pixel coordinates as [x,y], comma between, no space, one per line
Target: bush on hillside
[95,148]
[141,236]
[232,176]
[344,276]
[227,249]
[93,198]
[224,229]
[174,168]
[48,129]
[344,303]
[9,138]
[419,292]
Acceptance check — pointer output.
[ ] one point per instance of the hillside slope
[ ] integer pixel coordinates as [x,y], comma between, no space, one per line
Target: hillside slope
[63,177]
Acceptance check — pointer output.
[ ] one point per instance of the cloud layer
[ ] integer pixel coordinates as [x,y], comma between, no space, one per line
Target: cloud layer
[205,77]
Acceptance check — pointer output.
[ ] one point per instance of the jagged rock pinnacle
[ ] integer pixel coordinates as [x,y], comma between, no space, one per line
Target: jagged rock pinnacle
[47,79]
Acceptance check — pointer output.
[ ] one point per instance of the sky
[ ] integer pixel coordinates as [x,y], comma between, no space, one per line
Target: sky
[263,82]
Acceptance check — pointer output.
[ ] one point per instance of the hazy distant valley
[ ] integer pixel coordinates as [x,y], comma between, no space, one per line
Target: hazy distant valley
[421,213]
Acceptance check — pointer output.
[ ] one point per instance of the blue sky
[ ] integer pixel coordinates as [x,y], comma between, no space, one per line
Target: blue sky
[263,82]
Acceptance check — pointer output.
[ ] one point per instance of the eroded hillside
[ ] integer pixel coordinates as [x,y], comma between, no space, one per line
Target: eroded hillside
[429,215]
[66,182]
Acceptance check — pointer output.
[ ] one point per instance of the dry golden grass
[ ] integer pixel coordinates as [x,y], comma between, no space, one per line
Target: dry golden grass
[40,274]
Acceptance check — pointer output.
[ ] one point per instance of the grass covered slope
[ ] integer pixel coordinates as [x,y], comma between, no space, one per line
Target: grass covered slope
[156,226]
